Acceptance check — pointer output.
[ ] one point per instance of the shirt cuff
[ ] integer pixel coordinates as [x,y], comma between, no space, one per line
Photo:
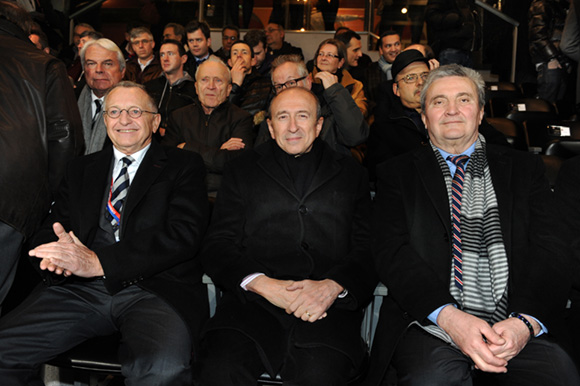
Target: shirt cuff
[433,315]
[543,329]
[249,278]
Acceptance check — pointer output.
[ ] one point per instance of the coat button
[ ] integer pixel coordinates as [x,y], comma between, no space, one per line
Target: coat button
[305,246]
[303,209]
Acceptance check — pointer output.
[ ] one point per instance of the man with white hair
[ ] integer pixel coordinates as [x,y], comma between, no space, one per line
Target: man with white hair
[104,67]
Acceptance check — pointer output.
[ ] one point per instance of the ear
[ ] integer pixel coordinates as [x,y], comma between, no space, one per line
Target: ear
[341,63]
[209,42]
[270,128]
[156,122]
[396,89]
[229,90]
[183,59]
[481,113]
[319,125]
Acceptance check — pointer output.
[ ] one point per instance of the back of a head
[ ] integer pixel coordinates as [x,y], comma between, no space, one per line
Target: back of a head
[296,59]
[16,15]
[347,36]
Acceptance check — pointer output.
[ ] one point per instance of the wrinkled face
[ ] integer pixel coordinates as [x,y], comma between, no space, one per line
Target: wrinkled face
[171,62]
[240,52]
[259,54]
[354,52]
[198,44]
[274,35]
[286,73]
[102,69]
[390,47]
[212,84]
[127,134]
[294,125]
[410,93]
[169,33]
[452,114]
[327,59]
[143,46]
[229,36]
[79,29]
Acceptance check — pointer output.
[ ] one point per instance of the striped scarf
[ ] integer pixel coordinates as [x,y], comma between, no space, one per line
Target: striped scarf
[485,264]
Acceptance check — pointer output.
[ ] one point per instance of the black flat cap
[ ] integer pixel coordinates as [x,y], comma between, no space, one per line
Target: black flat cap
[404,59]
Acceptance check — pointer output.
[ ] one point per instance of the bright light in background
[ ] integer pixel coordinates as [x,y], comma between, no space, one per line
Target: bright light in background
[302,29]
[404,10]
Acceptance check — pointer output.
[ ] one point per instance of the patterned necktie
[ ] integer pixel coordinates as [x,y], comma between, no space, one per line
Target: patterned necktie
[97,112]
[456,194]
[117,195]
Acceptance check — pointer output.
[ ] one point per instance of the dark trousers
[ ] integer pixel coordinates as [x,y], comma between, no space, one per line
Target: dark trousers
[10,244]
[422,359]
[229,357]
[155,343]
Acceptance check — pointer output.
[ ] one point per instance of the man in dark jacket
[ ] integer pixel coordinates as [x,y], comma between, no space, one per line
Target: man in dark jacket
[289,245]
[199,43]
[145,65]
[276,44]
[250,90]
[546,20]
[214,127]
[175,88]
[453,30]
[40,132]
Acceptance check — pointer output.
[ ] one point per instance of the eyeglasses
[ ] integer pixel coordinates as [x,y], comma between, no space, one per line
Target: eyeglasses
[328,55]
[134,112]
[288,84]
[412,78]
[232,38]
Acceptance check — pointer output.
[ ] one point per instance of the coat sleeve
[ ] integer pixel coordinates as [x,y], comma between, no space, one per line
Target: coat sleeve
[63,122]
[351,127]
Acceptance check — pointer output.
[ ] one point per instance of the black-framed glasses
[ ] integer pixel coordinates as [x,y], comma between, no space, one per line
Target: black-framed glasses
[288,84]
[328,55]
[134,112]
[412,78]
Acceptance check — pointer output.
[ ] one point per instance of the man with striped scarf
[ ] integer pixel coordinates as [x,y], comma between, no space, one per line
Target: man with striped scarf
[464,242]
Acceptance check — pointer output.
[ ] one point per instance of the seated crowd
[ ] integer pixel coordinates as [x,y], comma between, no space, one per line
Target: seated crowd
[254,167]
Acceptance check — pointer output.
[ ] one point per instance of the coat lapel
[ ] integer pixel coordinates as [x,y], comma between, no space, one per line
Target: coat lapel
[434,184]
[271,167]
[327,169]
[152,165]
[96,180]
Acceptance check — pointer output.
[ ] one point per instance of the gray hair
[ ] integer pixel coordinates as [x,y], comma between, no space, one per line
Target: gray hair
[215,59]
[455,70]
[108,45]
[151,106]
[296,59]
[135,32]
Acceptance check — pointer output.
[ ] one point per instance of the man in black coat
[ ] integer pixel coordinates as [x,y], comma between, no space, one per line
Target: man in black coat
[135,214]
[476,274]
[289,246]
[40,131]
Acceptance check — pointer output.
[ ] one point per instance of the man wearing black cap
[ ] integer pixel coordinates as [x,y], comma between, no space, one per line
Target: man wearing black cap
[398,127]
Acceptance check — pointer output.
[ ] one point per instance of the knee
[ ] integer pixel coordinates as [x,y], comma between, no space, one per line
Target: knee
[436,373]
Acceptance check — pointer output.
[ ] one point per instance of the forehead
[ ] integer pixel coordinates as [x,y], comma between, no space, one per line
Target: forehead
[169,31]
[413,68]
[295,99]
[272,26]
[391,39]
[96,52]
[197,34]
[285,71]
[450,86]
[258,47]
[127,96]
[79,29]
[329,48]
[230,32]
[241,46]
[169,47]
[213,70]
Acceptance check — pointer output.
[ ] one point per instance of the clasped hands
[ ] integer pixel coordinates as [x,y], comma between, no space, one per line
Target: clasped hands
[490,347]
[67,256]
[306,299]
